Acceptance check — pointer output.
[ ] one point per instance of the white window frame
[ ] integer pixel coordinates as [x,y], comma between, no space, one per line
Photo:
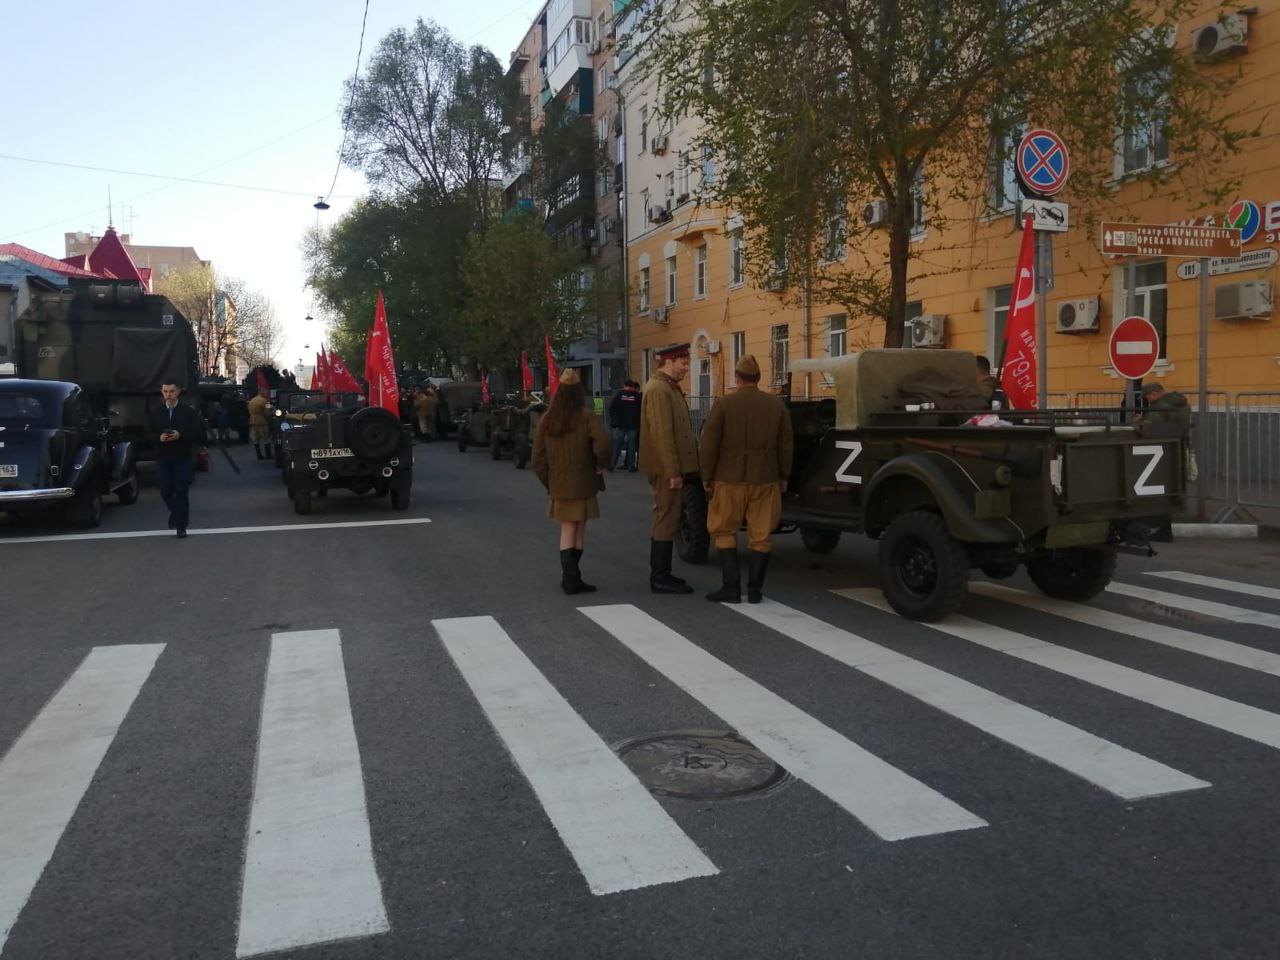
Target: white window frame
[737,258]
[779,348]
[700,272]
[837,335]
[645,290]
[672,281]
[997,318]
[1123,131]
[738,348]
[1002,166]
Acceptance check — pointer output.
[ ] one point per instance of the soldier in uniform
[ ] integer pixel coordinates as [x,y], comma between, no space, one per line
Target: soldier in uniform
[1168,414]
[988,385]
[746,459]
[424,409]
[668,457]
[259,433]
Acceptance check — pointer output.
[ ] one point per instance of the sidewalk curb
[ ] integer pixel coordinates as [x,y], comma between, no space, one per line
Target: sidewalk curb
[1215,531]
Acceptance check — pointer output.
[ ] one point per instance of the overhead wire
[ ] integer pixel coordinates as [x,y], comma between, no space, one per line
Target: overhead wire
[346,130]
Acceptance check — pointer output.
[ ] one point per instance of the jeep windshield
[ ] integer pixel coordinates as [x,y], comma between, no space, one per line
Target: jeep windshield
[24,410]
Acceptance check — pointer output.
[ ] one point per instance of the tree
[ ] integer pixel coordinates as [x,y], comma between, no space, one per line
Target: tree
[256,332]
[821,105]
[192,290]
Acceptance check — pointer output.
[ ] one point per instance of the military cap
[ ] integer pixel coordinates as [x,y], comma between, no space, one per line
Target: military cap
[672,351]
[1152,387]
[570,377]
[747,367]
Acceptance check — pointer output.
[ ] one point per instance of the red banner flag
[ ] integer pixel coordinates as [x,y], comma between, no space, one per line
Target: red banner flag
[320,379]
[485,396]
[262,382]
[382,375]
[340,378]
[526,375]
[1018,374]
[553,378]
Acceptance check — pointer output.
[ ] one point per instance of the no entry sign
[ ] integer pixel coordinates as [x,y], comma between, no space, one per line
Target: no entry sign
[1134,347]
[1042,164]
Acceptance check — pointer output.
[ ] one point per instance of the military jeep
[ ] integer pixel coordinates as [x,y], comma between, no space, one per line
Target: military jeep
[1059,492]
[347,447]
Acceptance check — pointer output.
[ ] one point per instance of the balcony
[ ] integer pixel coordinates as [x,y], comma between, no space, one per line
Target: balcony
[519,167]
[577,58]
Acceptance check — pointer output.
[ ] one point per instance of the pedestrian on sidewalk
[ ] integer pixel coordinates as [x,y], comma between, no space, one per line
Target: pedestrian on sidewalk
[175,429]
[669,457]
[624,417]
[746,460]
[570,453]
[259,432]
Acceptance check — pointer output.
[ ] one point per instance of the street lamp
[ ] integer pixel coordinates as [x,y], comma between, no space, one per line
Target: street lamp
[320,204]
[308,318]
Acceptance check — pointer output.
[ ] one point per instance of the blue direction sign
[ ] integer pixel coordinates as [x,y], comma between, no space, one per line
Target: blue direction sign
[1042,164]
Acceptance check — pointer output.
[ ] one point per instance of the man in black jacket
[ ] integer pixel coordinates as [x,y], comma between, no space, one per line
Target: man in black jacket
[624,417]
[175,429]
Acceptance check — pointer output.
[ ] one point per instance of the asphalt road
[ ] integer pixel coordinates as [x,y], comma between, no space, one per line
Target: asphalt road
[195,765]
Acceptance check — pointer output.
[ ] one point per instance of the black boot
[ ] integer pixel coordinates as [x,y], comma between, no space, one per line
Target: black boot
[570,579]
[660,578]
[730,579]
[257,448]
[757,566]
[583,586]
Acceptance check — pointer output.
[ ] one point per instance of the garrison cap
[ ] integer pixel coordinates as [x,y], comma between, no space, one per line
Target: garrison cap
[672,351]
[570,377]
[747,367]
[1151,387]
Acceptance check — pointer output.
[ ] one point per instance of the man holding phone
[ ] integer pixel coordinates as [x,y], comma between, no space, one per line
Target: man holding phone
[174,428]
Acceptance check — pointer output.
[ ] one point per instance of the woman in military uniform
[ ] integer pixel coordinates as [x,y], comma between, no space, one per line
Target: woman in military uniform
[570,453]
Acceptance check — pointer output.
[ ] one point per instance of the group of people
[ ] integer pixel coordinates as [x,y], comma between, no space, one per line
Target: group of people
[743,462]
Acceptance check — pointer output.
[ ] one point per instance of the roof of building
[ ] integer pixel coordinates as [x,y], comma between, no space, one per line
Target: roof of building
[36,258]
[14,269]
[111,259]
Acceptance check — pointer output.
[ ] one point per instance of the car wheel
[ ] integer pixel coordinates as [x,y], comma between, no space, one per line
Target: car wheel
[86,507]
[924,570]
[400,496]
[1074,573]
[129,492]
[301,500]
[693,542]
[819,541]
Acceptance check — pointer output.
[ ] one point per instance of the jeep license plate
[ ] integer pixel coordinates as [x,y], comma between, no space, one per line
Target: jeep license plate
[330,453]
[8,469]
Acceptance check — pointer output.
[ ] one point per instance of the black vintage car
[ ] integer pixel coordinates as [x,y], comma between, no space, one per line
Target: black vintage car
[56,454]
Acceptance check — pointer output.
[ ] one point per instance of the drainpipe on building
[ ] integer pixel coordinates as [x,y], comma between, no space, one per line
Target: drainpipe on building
[625,272]
[808,316]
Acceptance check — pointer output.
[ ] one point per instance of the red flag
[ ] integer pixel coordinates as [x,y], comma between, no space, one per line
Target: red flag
[553,378]
[526,375]
[320,379]
[340,378]
[485,396]
[262,382]
[368,360]
[382,384]
[1018,375]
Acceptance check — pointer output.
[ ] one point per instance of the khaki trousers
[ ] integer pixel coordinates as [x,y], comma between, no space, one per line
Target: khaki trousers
[758,505]
[666,508]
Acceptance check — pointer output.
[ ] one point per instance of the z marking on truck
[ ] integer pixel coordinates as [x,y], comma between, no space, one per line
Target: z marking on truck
[1142,488]
[842,472]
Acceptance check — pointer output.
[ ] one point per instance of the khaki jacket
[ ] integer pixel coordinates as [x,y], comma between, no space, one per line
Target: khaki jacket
[566,465]
[747,439]
[424,406]
[667,446]
[258,411]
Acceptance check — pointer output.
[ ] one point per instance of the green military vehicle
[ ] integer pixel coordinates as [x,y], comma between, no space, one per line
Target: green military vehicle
[898,455]
[511,427]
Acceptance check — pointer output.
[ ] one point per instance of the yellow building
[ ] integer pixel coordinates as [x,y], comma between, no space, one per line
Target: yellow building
[688,280]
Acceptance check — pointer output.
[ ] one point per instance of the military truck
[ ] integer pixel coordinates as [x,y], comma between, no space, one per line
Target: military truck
[511,427]
[117,342]
[899,456]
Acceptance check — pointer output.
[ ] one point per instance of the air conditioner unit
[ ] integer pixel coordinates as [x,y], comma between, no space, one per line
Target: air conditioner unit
[659,146]
[929,330]
[659,214]
[876,213]
[1237,301]
[1226,36]
[713,347]
[661,315]
[1076,316]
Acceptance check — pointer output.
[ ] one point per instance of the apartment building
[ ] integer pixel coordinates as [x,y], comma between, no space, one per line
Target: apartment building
[688,278]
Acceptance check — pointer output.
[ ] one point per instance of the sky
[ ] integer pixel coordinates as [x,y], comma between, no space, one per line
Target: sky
[243,92]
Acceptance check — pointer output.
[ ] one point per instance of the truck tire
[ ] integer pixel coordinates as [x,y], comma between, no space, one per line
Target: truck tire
[816,540]
[924,570]
[401,493]
[693,542]
[374,433]
[1074,573]
[301,500]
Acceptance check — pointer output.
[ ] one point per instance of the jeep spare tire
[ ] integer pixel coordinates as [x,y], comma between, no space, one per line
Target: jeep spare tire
[924,570]
[374,433]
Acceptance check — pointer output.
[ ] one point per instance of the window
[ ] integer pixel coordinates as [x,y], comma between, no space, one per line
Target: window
[604,182]
[915,309]
[998,300]
[780,353]
[602,129]
[644,129]
[700,271]
[1003,194]
[704,377]
[918,225]
[682,176]
[737,259]
[644,289]
[837,335]
[644,204]
[835,236]
[708,167]
[671,281]
[739,347]
[1151,299]
[669,181]
[1144,140]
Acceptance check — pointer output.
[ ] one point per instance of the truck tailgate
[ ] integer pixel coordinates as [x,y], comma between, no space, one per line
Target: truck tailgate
[1119,475]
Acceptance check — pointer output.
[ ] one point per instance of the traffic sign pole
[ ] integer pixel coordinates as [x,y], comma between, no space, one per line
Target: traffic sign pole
[1130,303]
[1203,415]
[1044,249]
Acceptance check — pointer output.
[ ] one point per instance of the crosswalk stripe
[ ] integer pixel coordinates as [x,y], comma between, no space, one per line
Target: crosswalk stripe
[309,875]
[618,834]
[45,774]
[892,804]
[1212,608]
[1207,708]
[1105,764]
[1239,654]
[1217,583]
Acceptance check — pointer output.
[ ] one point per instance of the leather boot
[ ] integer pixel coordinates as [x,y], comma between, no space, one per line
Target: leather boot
[757,566]
[730,579]
[570,579]
[660,578]
[583,586]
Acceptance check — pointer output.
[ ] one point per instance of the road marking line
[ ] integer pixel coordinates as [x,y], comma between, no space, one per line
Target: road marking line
[1239,654]
[1225,611]
[1217,583]
[1207,708]
[1110,766]
[889,802]
[47,771]
[618,834]
[309,875]
[214,531]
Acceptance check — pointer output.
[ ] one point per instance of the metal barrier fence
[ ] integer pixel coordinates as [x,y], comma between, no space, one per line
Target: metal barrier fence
[1257,450]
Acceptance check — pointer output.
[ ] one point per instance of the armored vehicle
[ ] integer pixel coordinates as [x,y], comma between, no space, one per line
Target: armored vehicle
[906,454]
[348,447]
[56,454]
[117,342]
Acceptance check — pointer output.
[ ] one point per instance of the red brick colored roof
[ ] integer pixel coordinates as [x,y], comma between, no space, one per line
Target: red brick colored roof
[111,259]
[78,260]
[41,260]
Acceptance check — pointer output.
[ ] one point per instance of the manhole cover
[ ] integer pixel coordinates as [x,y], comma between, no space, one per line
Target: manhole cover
[700,765]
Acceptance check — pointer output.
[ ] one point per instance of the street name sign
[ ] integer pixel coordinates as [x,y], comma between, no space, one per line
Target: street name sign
[1134,347]
[1254,260]
[1167,240]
